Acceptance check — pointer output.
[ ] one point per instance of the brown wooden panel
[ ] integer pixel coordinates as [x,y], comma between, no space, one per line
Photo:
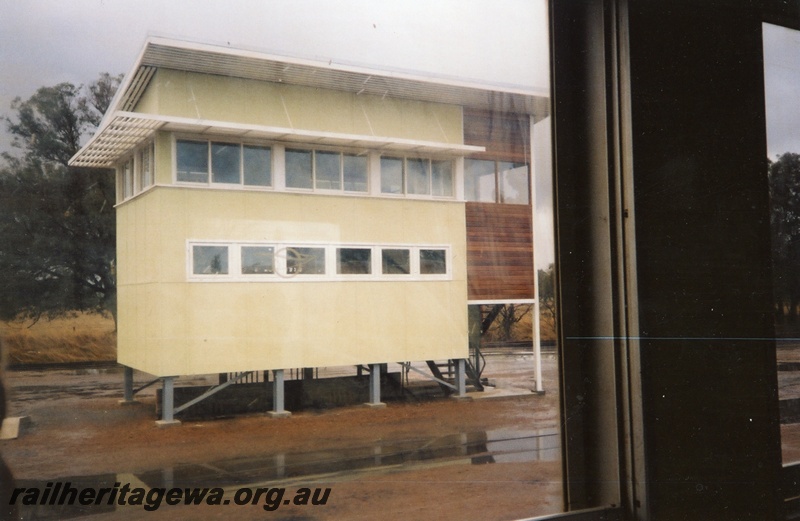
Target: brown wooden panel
[499,251]
[506,136]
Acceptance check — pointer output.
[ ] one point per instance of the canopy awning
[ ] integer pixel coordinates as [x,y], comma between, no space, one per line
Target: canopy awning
[122,129]
[127,130]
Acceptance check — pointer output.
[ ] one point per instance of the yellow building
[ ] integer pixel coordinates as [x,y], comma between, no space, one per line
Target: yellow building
[279,213]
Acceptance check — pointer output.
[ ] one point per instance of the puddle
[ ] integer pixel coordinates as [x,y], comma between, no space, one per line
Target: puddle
[473,448]
[498,446]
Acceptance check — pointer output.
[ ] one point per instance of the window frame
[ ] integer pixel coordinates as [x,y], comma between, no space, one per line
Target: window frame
[405,183]
[190,261]
[209,182]
[499,191]
[331,274]
[340,153]
[592,113]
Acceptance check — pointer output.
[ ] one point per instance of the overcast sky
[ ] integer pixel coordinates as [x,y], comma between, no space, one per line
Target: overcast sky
[45,42]
[782,71]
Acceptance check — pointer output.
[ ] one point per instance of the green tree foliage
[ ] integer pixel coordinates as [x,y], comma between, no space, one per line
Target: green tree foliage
[57,228]
[784,187]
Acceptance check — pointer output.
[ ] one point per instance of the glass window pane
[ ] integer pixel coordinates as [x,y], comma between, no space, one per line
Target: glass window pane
[225,163]
[396,262]
[329,170]
[442,178]
[147,159]
[391,175]
[353,261]
[355,173]
[479,184]
[210,260]
[432,262]
[258,260]
[257,165]
[305,261]
[514,187]
[298,169]
[127,179]
[418,176]
[192,161]
[782,90]
[144,168]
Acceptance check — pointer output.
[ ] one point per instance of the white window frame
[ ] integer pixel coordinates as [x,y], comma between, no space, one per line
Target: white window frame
[314,179]
[498,181]
[233,261]
[280,273]
[209,182]
[278,170]
[429,164]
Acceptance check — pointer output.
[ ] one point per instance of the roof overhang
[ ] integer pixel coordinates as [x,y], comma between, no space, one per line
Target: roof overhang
[127,130]
[121,129]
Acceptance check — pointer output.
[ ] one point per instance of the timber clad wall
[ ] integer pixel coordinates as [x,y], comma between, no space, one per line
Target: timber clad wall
[505,136]
[499,251]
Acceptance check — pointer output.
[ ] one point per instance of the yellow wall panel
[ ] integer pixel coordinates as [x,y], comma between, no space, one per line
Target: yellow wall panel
[171,326]
[221,98]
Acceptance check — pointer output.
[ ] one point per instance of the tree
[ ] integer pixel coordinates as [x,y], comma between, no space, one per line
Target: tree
[57,223]
[784,188]
[547,296]
[511,315]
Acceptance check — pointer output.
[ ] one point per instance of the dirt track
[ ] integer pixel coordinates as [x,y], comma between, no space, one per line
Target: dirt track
[443,459]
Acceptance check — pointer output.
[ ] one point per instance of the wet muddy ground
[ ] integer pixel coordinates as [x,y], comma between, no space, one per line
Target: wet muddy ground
[495,457]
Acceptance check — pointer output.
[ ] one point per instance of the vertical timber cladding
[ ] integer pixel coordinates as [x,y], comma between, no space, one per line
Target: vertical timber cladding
[499,236]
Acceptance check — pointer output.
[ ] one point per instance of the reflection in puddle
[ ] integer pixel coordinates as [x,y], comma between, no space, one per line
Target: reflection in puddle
[487,447]
[498,446]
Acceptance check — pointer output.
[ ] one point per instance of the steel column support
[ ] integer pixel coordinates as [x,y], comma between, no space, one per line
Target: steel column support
[375,386]
[127,387]
[278,395]
[168,403]
[461,385]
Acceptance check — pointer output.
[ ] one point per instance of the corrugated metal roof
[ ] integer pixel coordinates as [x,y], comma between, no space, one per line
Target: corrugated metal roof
[122,130]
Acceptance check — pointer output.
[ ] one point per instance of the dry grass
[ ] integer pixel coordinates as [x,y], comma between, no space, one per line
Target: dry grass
[82,338]
[523,330]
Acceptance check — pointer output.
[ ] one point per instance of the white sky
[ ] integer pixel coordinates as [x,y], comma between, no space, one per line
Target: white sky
[44,42]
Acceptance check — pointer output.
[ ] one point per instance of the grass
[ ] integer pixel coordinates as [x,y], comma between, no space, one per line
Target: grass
[82,338]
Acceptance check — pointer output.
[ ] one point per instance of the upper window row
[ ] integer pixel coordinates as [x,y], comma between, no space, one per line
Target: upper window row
[416,176]
[223,261]
[325,170]
[227,163]
[232,164]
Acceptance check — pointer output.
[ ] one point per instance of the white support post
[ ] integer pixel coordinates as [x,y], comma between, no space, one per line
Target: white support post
[168,403]
[537,341]
[277,396]
[375,387]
